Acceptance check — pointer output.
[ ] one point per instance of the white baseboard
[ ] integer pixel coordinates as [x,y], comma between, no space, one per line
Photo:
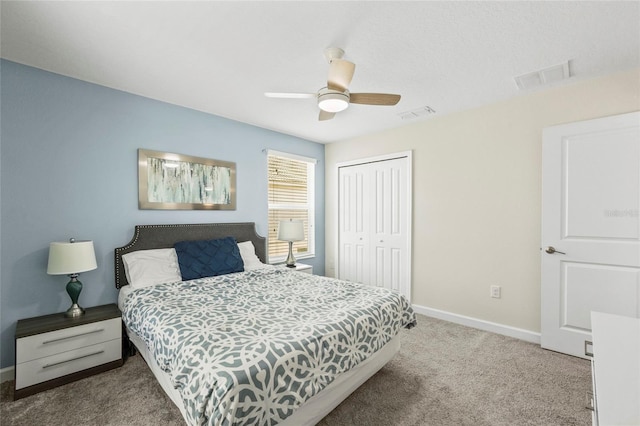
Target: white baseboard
[518,333]
[6,374]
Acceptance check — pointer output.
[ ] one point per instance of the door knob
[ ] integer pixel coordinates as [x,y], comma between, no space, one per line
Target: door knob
[552,250]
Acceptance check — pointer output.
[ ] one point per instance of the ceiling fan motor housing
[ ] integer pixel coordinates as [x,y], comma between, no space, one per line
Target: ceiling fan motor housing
[333,100]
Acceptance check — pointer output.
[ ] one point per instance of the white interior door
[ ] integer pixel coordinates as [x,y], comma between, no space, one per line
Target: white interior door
[591,217]
[374,241]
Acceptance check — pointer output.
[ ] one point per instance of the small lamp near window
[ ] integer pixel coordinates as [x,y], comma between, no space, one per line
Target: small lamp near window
[70,259]
[291,230]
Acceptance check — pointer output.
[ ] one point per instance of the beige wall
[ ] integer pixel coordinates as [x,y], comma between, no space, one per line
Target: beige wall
[477,195]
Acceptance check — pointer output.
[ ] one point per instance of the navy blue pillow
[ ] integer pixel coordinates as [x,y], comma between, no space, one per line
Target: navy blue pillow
[207,258]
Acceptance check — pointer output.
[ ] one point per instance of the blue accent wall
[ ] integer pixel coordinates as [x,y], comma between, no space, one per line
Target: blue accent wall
[69,169]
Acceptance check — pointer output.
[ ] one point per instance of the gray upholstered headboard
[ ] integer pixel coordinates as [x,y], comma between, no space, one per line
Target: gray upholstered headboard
[165,236]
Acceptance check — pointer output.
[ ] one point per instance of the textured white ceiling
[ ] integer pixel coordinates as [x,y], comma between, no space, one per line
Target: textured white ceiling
[220,57]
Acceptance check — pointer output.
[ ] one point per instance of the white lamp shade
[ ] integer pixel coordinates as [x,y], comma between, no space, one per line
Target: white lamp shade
[291,230]
[71,258]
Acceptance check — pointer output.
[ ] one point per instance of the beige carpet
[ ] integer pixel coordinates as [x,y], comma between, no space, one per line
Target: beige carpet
[445,374]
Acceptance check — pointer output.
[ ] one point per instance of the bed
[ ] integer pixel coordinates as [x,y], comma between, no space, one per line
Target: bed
[257,345]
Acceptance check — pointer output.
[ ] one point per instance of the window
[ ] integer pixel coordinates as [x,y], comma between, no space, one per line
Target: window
[291,196]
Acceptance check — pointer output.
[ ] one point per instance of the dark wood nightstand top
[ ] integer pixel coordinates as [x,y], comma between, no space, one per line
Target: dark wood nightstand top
[46,323]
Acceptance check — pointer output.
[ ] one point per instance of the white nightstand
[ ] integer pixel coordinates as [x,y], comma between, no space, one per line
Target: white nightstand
[52,350]
[301,267]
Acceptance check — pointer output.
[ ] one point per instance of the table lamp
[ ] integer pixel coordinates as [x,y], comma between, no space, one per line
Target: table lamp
[70,259]
[291,230]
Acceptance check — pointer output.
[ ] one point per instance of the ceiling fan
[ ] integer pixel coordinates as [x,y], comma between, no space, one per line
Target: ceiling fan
[335,97]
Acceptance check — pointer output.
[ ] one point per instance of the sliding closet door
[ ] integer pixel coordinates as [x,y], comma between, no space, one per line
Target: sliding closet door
[375,221]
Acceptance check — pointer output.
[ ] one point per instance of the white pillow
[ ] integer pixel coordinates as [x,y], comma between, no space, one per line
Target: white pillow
[248,254]
[148,267]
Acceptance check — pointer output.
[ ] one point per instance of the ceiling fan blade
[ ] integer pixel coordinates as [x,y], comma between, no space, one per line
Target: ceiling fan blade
[290,95]
[340,74]
[374,98]
[324,115]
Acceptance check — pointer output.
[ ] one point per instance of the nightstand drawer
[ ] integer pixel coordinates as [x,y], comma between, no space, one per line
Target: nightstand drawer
[64,340]
[54,366]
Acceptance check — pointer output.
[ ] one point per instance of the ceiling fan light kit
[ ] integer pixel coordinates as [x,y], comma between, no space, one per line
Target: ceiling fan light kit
[333,101]
[335,97]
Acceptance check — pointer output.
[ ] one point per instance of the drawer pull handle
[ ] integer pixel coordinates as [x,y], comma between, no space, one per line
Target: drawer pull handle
[586,348]
[71,337]
[72,359]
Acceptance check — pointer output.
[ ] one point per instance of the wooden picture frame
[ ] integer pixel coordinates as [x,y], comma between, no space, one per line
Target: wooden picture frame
[169,181]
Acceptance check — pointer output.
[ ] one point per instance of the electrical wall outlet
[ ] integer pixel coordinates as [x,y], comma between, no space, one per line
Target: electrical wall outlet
[495,291]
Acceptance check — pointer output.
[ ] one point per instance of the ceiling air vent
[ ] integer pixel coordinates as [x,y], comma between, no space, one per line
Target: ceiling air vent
[418,112]
[544,76]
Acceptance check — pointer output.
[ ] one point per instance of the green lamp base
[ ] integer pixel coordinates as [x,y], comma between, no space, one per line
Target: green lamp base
[74,287]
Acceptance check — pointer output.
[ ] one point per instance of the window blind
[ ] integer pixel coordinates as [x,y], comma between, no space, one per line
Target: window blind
[288,193]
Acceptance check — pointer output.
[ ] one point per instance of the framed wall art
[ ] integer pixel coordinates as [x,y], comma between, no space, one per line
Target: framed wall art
[171,181]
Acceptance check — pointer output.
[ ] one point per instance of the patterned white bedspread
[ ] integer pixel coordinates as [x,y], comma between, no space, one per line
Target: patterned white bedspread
[251,347]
